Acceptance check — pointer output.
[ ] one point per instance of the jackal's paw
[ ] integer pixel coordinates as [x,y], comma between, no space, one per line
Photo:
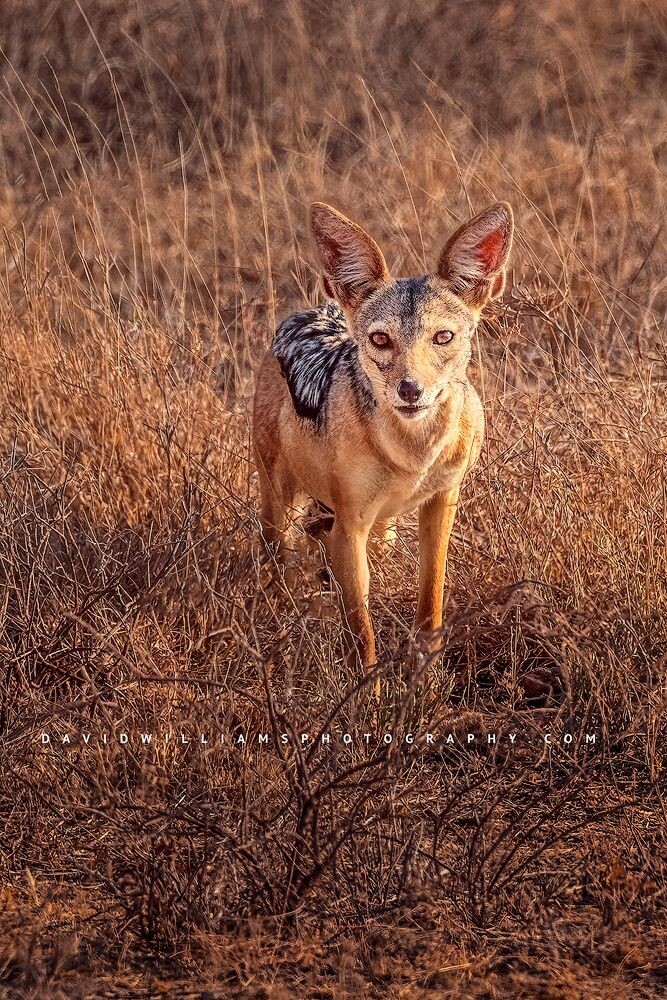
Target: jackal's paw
[277,565]
[323,605]
[542,687]
[429,642]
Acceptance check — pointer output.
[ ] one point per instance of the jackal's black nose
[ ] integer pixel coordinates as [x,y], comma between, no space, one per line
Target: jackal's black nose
[409,392]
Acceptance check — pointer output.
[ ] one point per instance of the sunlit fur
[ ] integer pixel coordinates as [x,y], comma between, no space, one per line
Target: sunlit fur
[331,420]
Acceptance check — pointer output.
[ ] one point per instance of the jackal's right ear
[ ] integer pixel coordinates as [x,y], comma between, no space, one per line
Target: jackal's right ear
[352,262]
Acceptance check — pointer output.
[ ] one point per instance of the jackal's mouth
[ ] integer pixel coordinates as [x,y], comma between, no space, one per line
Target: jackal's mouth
[413,411]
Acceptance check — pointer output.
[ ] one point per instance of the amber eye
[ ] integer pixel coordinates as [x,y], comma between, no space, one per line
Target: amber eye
[380,339]
[443,337]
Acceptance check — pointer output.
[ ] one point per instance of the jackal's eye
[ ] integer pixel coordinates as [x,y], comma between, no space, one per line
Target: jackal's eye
[442,337]
[380,339]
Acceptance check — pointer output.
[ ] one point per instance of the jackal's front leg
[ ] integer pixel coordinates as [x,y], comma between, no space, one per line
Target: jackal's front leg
[346,546]
[436,518]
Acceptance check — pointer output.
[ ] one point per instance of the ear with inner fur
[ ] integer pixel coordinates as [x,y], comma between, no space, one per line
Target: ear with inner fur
[474,260]
[352,262]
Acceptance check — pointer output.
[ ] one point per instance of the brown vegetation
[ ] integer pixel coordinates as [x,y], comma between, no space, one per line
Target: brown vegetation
[156,162]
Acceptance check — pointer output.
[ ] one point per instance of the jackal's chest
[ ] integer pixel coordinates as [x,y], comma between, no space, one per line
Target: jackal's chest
[403,492]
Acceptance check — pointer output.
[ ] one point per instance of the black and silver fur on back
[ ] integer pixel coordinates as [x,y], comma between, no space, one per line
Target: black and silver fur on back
[310,346]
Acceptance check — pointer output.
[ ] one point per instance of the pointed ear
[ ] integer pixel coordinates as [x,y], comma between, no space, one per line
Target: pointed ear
[474,260]
[351,261]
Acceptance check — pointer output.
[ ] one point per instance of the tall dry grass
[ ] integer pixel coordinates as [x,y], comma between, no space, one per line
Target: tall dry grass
[156,163]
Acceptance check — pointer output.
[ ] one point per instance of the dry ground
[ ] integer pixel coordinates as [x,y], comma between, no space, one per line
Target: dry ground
[156,162]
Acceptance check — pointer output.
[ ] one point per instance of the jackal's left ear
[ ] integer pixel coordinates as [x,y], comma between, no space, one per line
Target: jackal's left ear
[351,260]
[474,260]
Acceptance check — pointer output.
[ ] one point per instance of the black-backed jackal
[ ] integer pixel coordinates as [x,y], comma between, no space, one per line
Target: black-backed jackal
[364,403]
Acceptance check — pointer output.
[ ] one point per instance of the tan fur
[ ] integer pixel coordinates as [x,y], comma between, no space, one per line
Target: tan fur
[369,466]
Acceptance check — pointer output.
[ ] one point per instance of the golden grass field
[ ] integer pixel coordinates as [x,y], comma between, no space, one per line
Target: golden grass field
[157,160]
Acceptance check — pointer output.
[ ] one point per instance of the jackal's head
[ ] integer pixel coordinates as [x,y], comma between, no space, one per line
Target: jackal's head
[414,334]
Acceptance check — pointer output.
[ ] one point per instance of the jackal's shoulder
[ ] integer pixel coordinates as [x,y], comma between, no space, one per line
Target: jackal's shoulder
[312,347]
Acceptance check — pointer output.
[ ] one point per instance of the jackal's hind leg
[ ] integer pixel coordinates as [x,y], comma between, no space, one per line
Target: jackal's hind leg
[382,538]
[277,496]
[318,519]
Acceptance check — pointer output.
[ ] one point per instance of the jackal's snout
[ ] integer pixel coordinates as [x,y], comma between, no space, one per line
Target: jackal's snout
[410,391]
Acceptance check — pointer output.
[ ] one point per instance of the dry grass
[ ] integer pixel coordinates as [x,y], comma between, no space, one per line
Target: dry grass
[156,161]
